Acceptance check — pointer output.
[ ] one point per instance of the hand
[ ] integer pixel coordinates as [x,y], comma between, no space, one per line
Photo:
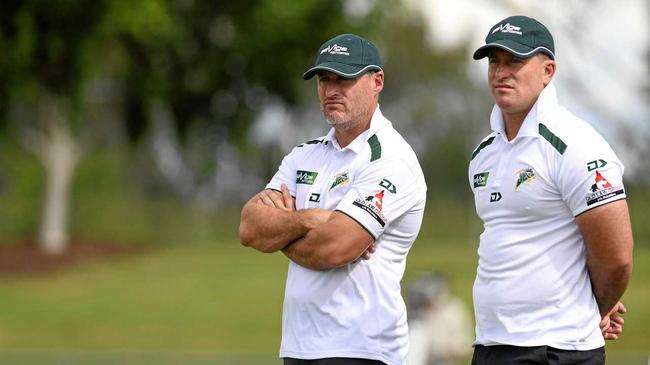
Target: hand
[366,254]
[611,325]
[277,199]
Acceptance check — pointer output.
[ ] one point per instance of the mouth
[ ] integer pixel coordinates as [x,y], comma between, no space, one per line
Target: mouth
[503,87]
[332,102]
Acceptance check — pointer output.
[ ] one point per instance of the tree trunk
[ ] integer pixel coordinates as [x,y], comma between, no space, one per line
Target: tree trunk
[58,152]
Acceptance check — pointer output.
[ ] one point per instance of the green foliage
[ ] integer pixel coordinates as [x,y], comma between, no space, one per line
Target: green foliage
[20,193]
[638,200]
[225,59]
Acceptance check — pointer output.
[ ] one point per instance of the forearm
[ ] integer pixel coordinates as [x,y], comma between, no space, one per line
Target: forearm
[608,235]
[305,254]
[269,229]
[336,243]
[608,283]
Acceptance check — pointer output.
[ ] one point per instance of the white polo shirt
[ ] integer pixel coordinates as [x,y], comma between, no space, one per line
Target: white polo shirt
[532,287]
[357,310]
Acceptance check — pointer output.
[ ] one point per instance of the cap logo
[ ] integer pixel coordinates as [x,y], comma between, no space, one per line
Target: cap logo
[507,28]
[335,49]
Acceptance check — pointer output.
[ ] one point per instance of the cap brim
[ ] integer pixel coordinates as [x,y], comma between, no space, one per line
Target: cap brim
[341,69]
[514,48]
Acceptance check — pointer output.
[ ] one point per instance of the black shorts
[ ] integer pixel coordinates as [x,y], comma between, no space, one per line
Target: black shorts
[538,355]
[332,361]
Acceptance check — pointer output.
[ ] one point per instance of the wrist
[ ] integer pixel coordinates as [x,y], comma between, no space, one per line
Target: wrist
[312,218]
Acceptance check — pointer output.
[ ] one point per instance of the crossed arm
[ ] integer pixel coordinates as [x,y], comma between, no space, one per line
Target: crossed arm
[314,238]
[608,234]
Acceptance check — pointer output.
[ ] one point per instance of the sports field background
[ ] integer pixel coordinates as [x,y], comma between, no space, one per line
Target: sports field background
[228,74]
[198,297]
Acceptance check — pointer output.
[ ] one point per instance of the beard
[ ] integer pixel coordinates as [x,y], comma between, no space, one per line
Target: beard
[345,122]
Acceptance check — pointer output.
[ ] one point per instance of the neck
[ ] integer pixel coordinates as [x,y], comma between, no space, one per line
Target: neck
[513,122]
[345,134]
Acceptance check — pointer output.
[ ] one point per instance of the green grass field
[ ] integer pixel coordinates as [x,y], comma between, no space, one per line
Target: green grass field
[210,302]
[199,297]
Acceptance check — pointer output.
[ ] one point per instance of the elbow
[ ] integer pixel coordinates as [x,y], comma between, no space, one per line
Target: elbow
[626,268]
[246,231]
[245,237]
[248,238]
[623,264]
[621,269]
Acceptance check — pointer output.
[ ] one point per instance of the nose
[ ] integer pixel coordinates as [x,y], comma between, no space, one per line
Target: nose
[500,70]
[331,89]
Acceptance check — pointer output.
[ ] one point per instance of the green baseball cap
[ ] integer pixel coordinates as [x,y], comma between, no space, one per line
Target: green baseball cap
[346,55]
[521,36]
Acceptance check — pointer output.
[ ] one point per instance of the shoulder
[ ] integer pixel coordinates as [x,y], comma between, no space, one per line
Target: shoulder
[388,143]
[309,147]
[567,133]
[313,142]
[485,142]
[387,151]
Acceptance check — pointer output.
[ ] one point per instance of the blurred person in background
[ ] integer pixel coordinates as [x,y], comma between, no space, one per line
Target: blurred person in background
[439,323]
[555,255]
[334,202]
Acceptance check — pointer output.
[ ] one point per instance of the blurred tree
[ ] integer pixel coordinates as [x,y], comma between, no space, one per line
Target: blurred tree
[431,101]
[52,53]
[198,94]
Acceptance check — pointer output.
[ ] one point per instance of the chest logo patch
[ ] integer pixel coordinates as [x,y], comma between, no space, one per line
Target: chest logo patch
[524,176]
[480,180]
[340,180]
[306,177]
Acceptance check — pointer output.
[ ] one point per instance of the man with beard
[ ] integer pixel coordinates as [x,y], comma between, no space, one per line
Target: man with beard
[335,201]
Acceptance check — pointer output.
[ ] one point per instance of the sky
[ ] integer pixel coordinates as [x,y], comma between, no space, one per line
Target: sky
[601,52]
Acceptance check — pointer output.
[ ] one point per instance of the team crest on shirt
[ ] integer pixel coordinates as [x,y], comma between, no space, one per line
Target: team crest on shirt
[524,176]
[341,179]
[373,205]
[602,189]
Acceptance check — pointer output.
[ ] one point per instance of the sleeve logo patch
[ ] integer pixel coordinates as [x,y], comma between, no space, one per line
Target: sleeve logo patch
[480,180]
[602,190]
[306,177]
[373,205]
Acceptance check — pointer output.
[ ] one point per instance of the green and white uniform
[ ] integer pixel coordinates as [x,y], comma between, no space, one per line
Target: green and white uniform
[532,286]
[357,310]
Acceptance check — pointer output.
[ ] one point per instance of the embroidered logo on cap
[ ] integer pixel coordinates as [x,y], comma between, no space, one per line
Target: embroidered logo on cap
[507,28]
[335,49]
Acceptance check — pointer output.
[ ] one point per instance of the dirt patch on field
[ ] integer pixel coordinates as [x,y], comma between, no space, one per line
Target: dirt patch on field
[17,260]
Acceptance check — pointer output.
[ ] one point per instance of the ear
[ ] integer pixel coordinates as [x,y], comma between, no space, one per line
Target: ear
[378,81]
[549,71]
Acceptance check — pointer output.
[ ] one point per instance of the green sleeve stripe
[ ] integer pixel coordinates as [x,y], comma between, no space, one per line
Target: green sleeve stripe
[375,148]
[483,144]
[555,141]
